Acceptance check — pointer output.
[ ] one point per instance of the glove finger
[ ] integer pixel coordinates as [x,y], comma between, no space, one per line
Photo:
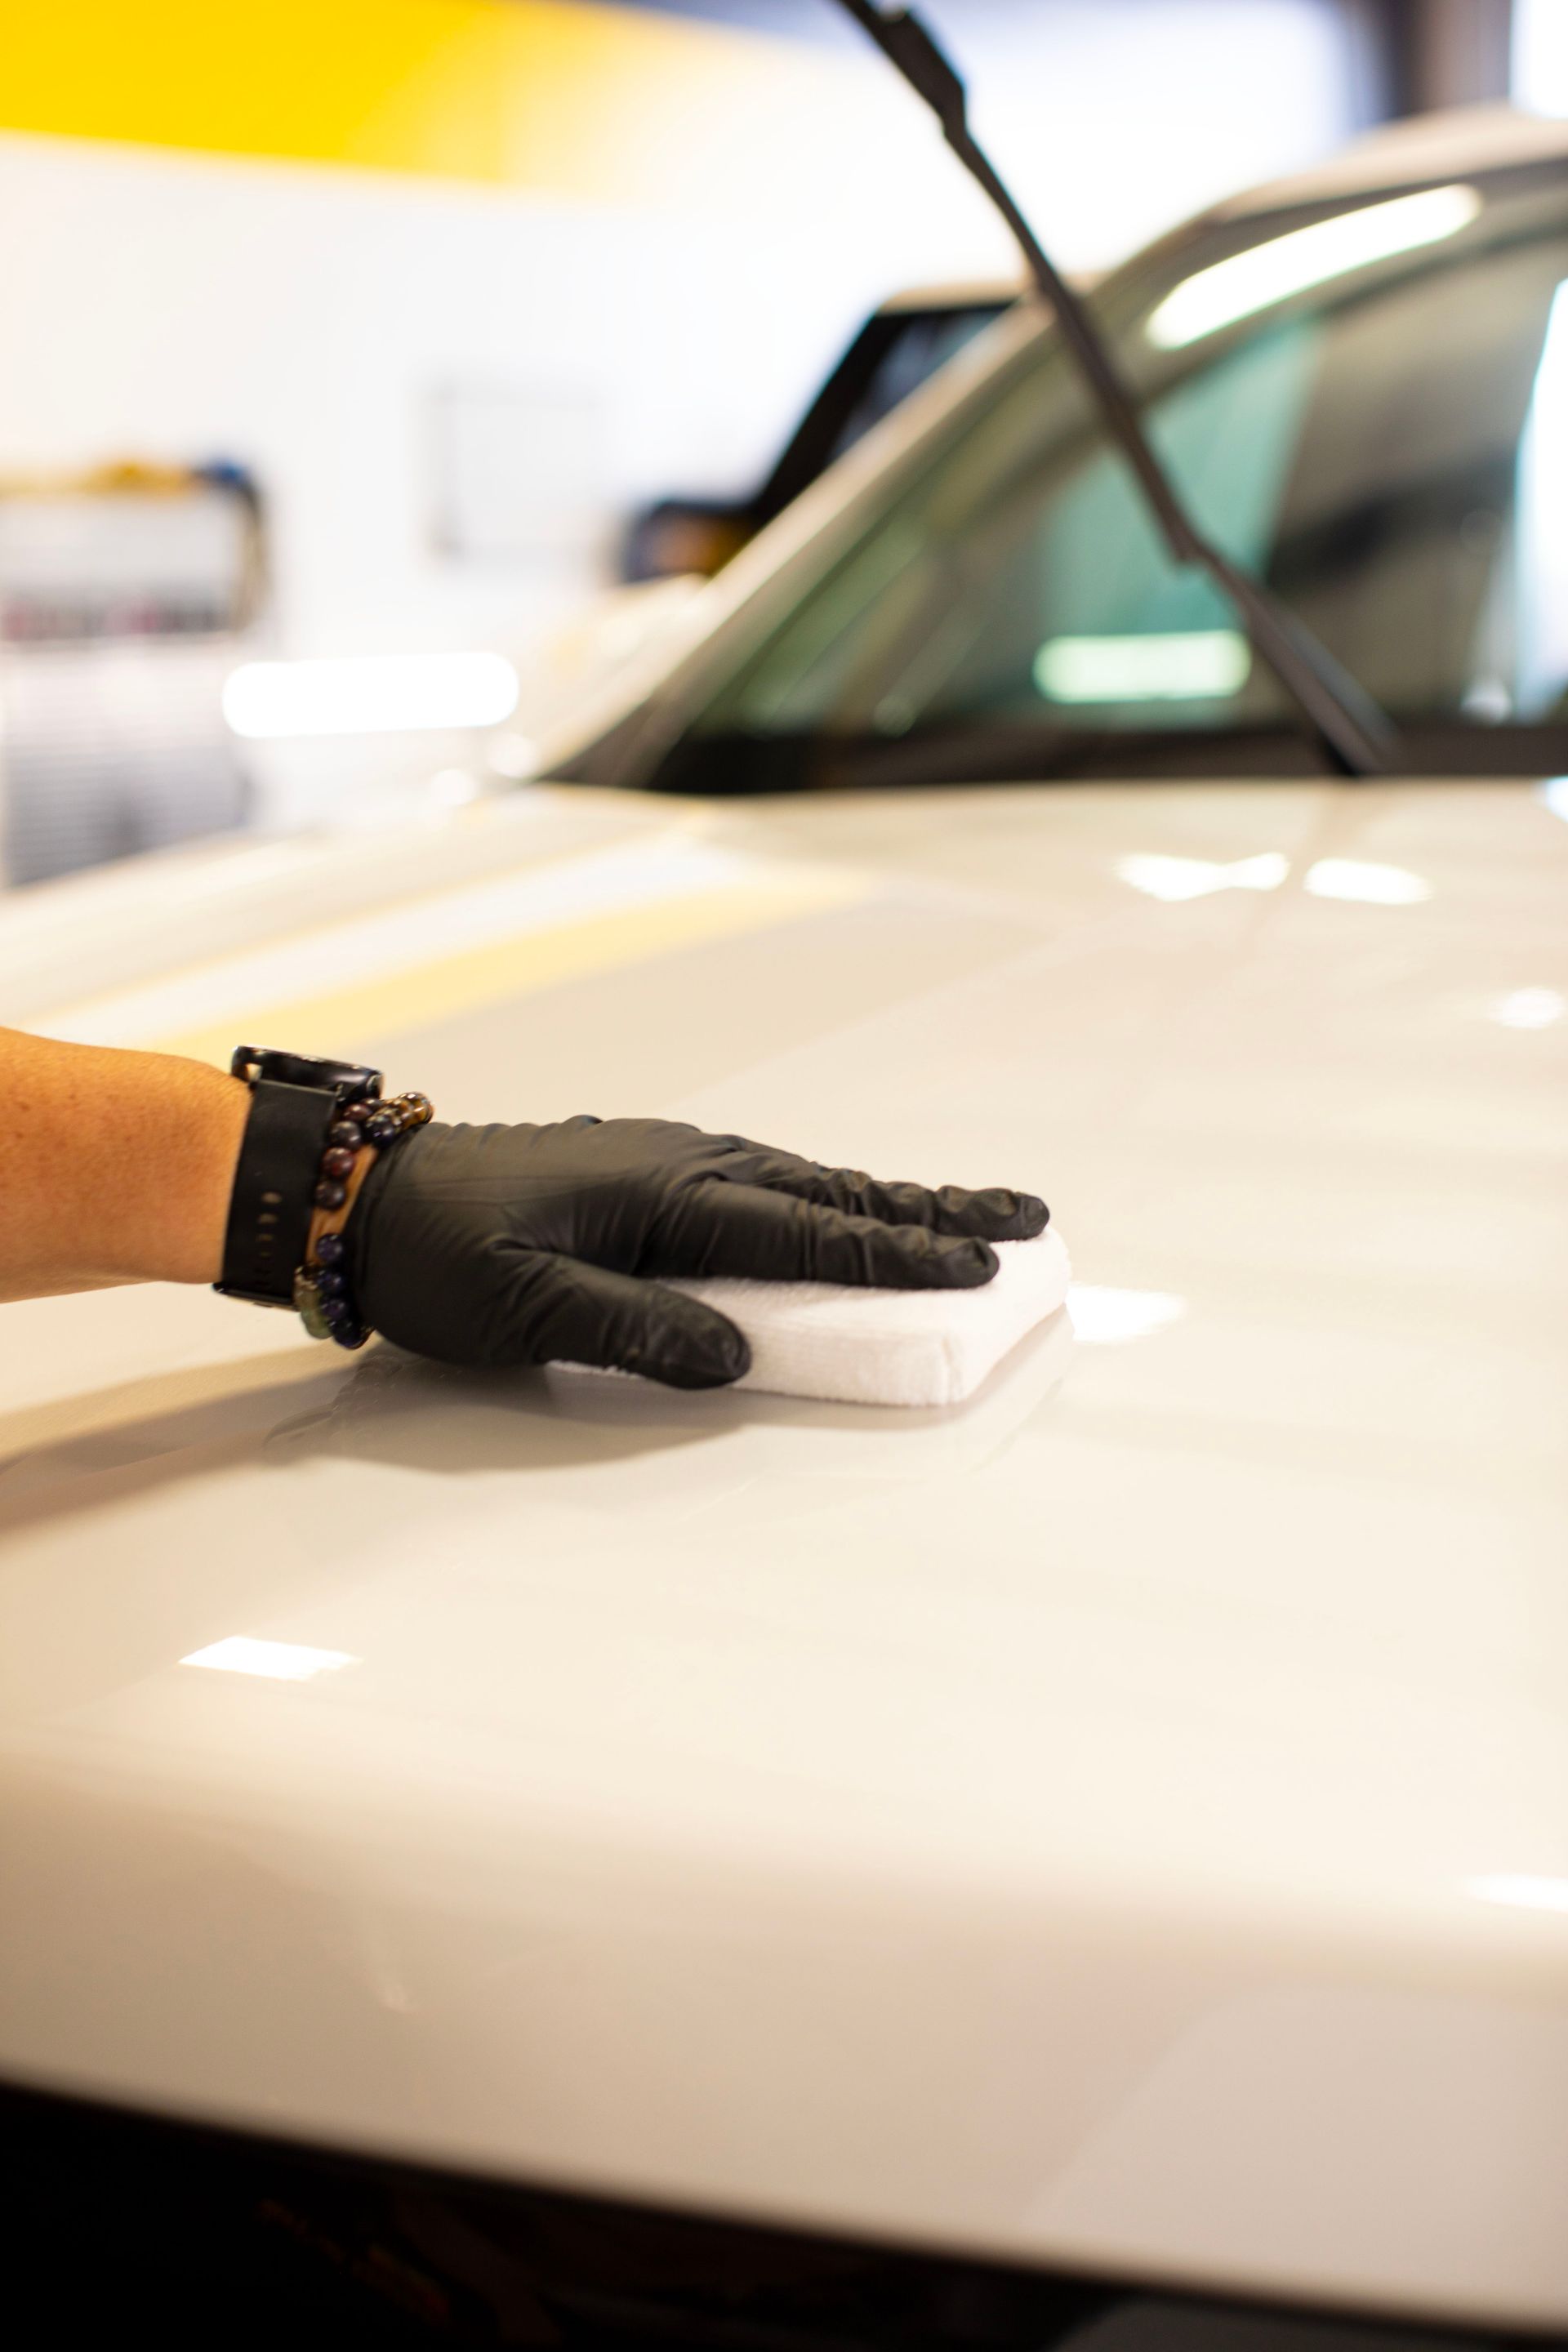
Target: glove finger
[995,1215]
[720,1227]
[557,1309]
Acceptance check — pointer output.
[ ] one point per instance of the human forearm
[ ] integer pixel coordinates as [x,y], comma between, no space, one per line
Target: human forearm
[114,1166]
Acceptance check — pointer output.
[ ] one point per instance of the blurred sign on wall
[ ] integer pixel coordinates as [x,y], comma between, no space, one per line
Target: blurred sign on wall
[521,470]
[123,597]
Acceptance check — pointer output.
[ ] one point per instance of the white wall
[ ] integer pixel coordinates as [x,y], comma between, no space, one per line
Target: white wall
[1115,118]
[1541,55]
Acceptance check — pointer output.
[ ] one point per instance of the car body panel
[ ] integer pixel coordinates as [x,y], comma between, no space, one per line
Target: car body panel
[1121,1824]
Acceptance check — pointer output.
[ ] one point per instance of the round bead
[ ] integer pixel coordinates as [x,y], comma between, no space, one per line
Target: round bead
[338,1161]
[358,1112]
[329,1193]
[346,1134]
[330,1248]
[382,1128]
[331,1282]
[418,1106]
[353,1335]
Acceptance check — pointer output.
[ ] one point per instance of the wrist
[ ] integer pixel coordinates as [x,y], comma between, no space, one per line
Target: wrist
[194,1246]
[170,1142]
[313,1132]
[326,1287]
[307,1120]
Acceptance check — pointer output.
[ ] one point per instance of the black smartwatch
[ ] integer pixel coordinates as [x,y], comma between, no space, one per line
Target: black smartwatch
[294,1099]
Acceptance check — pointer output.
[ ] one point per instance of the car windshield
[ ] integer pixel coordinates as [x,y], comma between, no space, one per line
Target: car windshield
[1367,406]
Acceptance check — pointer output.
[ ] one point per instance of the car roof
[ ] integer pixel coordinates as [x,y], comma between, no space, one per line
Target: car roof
[1420,148]
[954,294]
[1456,140]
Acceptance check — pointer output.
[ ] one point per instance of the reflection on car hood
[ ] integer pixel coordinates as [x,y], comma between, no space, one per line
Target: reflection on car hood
[1120,1822]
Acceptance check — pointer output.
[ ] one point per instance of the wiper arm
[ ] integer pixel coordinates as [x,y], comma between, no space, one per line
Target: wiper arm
[1344,722]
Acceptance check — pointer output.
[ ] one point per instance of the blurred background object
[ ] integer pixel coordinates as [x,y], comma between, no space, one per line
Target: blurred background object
[903,343]
[126,597]
[494,301]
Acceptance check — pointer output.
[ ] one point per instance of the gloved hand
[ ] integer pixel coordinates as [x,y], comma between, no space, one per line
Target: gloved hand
[534,1245]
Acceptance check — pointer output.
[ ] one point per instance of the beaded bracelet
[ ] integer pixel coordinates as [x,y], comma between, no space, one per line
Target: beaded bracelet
[321,1291]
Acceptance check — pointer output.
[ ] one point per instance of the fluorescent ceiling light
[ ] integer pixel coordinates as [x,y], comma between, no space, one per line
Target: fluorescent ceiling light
[1371,886]
[1174,878]
[1521,1891]
[279,1662]
[381,695]
[1529,1008]
[1250,281]
[1182,666]
[1102,1318]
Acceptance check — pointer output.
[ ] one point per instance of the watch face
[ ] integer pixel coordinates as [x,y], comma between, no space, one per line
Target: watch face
[341,1078]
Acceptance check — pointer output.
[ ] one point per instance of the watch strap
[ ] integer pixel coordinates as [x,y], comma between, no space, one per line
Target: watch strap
[346,1079]
[271,1207]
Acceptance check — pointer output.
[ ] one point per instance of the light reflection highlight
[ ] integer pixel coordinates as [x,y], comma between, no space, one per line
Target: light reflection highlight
[1174,666]
[279,1662]
[1265,274]
[383,694]
[1105,1318]
[1366,884]
[1521,1891]
[515,757]
[453,788]
[1529,1008]
[1174,878]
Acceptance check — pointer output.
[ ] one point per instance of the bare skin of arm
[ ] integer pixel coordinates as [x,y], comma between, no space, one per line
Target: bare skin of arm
[114,1166]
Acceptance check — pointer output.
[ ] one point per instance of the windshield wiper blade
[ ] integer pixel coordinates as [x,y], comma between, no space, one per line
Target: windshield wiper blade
[1345,723]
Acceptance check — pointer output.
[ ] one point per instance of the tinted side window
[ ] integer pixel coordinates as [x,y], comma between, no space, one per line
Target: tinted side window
[922,342]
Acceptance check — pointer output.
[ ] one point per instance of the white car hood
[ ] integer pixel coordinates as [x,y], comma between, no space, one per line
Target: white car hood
[1123,1822]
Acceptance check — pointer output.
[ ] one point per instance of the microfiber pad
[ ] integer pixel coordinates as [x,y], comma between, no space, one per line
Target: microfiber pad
[890,1347]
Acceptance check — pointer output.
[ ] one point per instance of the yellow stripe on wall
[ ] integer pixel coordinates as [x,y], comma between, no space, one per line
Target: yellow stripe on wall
[533,93]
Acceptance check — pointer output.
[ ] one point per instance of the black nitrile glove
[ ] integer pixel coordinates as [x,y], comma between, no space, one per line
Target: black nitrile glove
[538,1244]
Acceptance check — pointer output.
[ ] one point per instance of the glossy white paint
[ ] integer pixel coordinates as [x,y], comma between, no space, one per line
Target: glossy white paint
[1104,1825]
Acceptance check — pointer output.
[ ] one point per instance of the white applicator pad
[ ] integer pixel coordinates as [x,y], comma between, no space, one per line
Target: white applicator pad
[890,1347]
